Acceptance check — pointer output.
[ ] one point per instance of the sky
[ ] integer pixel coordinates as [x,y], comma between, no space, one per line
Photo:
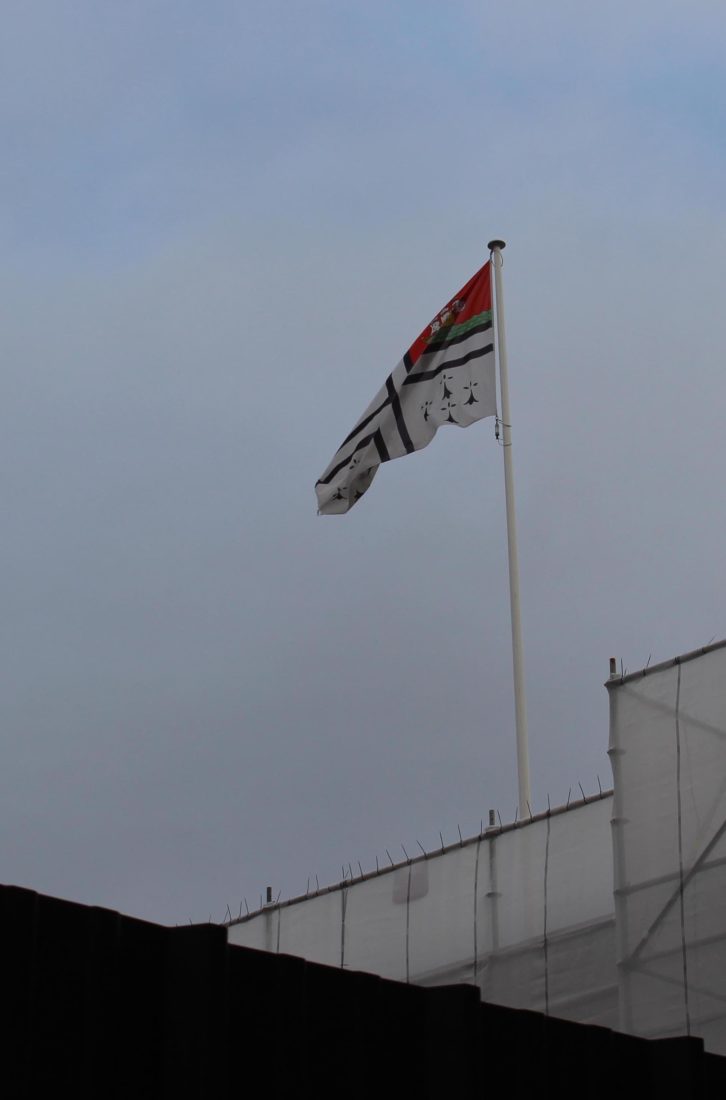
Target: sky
[220,227]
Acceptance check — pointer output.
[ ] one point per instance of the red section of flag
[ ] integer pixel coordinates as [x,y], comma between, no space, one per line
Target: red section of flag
[475,297]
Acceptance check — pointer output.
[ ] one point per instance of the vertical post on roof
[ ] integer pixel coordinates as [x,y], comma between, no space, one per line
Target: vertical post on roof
[520,705]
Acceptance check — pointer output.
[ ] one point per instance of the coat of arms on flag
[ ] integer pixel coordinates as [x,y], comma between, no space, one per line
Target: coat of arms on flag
[446,377]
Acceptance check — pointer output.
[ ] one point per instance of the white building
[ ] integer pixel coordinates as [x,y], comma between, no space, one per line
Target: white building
[611,910]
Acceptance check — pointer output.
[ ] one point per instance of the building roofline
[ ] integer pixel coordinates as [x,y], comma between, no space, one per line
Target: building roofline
[616,681]
[487,834]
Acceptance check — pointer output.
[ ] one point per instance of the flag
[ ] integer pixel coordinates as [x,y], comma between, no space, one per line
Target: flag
[446,377]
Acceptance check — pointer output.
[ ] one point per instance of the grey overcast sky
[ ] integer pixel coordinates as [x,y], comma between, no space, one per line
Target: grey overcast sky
[221,225]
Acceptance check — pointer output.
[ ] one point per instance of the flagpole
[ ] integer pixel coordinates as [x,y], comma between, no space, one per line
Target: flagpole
[520,704]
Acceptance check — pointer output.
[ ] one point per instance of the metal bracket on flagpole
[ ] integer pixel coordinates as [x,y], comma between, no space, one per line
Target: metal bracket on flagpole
[520,705]
[499,424]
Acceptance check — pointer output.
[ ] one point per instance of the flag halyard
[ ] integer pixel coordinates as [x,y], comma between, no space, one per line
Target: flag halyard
[447,376]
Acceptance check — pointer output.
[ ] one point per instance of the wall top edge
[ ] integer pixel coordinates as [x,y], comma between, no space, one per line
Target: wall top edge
[616,681]
[488,834]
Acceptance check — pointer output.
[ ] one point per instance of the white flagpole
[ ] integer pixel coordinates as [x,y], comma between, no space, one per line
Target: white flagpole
[520,705]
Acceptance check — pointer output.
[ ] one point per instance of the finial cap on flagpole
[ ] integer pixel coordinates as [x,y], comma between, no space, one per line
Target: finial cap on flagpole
[496,244]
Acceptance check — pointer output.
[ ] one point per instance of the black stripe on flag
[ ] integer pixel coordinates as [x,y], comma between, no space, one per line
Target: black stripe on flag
[373,437]
[398,413]
[381,446]
[365,422]
[449,364]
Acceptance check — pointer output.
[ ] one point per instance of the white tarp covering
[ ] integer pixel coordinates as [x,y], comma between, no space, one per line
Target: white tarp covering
[668,751]
[525,912]
[528,913]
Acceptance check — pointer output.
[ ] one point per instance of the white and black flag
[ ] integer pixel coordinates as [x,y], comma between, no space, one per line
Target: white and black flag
[447,376]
